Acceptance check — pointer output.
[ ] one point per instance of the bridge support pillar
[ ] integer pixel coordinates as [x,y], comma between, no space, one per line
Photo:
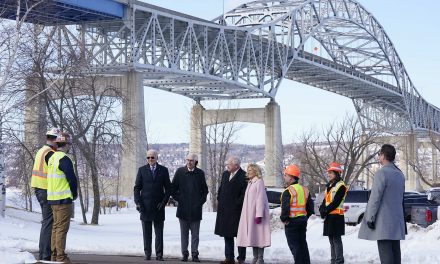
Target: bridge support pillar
[274,156]
[410,153]
[134,142]
[35,125]
[197,144]
[269,116]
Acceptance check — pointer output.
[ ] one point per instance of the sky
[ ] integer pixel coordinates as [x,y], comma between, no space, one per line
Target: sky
[411,25]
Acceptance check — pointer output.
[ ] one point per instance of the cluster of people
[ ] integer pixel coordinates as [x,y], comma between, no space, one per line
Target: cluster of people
[242,212]
[55,185]
[243,209]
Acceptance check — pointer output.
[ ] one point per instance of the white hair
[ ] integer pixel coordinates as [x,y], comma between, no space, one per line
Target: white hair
[192,156]
[234,160]
[152,152]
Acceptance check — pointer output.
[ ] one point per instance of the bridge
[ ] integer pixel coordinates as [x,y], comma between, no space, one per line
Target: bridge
[245,53]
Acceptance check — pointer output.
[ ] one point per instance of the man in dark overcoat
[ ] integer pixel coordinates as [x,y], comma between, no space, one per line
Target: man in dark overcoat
[230,201]
[152,190]
[190,191]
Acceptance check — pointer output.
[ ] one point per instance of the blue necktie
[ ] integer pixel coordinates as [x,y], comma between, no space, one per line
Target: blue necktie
[152,171]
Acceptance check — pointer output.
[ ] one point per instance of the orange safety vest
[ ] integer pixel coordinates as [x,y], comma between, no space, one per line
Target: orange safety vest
[39,171]
[330,195]
[298,200]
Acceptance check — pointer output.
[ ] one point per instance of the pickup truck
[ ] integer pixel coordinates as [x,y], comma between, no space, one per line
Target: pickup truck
[425,213]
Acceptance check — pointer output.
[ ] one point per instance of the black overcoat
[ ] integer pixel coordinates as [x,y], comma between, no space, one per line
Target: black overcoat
[334,225]
[149,192]
[230,198]
[190,191]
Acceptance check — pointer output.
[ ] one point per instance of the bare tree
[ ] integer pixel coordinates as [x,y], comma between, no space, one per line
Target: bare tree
[10,40]
[424,166]
[345,143]
[219,137]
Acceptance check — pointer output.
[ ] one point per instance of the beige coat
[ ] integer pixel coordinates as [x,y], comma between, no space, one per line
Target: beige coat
[255,205]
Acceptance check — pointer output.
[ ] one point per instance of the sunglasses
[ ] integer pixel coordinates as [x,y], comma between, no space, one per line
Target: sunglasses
[150,157]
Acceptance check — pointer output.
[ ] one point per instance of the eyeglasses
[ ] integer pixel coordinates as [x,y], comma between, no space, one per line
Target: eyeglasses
[150,157]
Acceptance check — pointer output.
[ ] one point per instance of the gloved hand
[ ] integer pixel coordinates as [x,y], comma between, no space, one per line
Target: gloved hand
[138,207]
[258,220]
[323,212]
[371,225]
[161,205]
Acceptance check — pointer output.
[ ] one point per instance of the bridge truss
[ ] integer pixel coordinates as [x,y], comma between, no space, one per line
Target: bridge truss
[335,45]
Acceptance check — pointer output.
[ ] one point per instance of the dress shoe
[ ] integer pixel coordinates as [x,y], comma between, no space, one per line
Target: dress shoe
[195,259]
[184,258]
[159,258]
[148,258]
[227,261]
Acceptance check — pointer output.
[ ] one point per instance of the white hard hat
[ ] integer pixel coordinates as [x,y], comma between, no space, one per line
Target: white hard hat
[54,131]
[64,138]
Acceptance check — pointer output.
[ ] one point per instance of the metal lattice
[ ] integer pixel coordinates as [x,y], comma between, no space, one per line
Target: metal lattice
[335,45]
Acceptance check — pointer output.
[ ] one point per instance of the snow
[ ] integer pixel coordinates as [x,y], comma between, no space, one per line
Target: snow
[121,233]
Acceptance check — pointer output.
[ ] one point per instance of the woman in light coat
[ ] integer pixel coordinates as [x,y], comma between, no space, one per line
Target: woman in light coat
[254,228]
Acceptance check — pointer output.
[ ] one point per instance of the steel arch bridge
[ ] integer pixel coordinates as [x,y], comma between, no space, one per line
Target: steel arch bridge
[335,45]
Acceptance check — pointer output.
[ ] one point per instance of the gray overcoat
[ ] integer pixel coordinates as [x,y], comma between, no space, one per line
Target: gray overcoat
[385,206]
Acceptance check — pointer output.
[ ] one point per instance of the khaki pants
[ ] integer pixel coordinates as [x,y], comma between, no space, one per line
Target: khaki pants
[61,223]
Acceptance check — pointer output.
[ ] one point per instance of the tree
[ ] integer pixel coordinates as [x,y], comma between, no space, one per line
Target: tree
[423,165]
[10,40]
[345,143]
[219,137]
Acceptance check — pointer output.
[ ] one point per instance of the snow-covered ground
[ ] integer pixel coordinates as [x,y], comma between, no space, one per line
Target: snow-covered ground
[120,233]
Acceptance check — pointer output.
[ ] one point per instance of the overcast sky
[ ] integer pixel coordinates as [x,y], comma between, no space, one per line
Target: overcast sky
[413,27]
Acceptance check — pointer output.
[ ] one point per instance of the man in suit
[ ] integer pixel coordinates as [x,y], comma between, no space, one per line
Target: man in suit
[190,191]
[152,190]
[230,197]
[384,217]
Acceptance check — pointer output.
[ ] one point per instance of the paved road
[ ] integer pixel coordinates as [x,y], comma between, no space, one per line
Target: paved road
[120,259]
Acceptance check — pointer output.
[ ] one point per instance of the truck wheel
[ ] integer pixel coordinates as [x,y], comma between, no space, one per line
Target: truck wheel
[360,218]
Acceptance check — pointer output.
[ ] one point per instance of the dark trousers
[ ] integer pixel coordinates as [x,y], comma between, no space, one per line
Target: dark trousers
[296,238]
[389,251]
[229,250]
[46,225]
[336,249]
[147,234]
[185,227]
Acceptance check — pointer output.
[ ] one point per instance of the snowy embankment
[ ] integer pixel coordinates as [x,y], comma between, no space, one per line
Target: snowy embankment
[121,233]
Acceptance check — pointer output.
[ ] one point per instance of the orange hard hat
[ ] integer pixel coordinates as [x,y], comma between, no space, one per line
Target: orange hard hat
[292,170]
[334,166]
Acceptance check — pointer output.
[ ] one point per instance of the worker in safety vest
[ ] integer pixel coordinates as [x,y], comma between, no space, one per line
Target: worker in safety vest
[296,207]
[39,184]
[61,191]
[332,210]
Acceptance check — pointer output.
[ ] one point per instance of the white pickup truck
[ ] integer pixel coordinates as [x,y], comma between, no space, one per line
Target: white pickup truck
[354,205]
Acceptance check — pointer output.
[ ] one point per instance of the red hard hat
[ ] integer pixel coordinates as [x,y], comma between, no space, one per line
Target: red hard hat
[334,166]
[292,170]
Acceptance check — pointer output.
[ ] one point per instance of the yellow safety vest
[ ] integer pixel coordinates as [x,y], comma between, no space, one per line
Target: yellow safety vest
[298,200]
[330,195]
[58,187]
[39,171]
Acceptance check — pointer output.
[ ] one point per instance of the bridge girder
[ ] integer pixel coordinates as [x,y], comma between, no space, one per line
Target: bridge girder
[335,45]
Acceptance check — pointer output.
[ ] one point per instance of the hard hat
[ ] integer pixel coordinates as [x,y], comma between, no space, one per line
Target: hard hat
[334,166]
[292,170]
[54,131]
[63,138]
